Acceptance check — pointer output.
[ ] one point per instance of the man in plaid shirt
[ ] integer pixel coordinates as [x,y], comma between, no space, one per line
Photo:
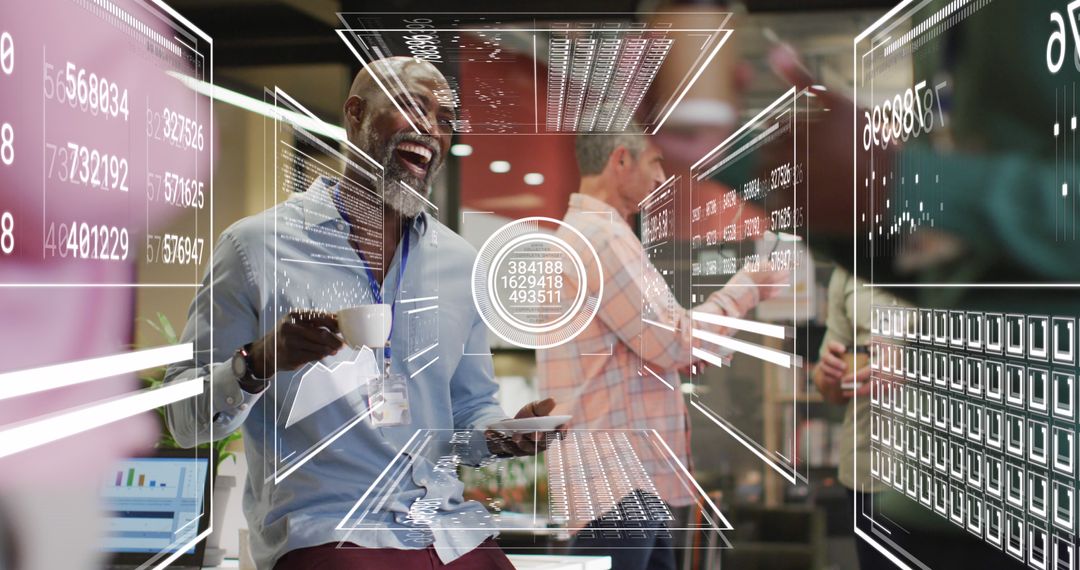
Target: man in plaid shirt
[596,377]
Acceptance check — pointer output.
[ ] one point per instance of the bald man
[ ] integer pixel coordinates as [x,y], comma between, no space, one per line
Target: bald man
[313,447]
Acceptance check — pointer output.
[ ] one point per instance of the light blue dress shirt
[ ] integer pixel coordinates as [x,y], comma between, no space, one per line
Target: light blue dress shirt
[304,479]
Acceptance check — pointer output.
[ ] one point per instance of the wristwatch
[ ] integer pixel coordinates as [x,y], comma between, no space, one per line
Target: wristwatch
[244,371]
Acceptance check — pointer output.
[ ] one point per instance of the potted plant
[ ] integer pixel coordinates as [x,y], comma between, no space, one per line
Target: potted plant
[219,450]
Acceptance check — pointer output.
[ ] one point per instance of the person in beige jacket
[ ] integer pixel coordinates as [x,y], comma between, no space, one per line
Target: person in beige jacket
[834,375]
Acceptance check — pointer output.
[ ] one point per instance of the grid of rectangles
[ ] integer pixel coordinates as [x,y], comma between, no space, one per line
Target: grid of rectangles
[597,474]
[598,73]
[973,415]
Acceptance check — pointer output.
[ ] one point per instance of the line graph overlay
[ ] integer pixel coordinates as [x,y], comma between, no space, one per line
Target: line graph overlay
[322,385]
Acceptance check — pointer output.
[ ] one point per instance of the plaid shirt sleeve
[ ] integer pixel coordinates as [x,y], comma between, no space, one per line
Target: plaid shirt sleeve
[624,301]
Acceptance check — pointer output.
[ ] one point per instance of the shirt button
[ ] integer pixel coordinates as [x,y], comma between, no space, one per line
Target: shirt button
[423,481]
[229,400]
[243,407]
[341,227]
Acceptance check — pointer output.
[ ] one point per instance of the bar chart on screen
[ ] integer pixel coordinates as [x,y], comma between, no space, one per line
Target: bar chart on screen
[150,480]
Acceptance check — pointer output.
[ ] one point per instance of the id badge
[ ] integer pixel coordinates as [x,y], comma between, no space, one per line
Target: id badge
[388,400]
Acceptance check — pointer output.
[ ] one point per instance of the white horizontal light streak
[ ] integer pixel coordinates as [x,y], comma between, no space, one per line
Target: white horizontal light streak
[47,429]
[775,331]
[23,382]
[263,108]
[768,355]
[707,357]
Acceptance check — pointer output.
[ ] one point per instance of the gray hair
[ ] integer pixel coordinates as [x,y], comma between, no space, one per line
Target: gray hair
[593,150]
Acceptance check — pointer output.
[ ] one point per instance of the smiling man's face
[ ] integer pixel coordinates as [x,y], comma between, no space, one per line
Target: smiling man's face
[375,125]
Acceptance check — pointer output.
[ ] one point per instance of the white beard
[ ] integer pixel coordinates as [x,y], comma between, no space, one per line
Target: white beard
[400,199]
[396,196]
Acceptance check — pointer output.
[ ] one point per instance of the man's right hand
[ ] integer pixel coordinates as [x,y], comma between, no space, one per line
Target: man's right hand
[830,372]
[299,338]
[771,281]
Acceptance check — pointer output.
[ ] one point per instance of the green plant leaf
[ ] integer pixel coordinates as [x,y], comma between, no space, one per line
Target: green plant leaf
[167,329]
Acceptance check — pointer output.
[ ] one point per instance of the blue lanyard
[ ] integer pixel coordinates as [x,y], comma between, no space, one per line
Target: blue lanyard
[376,289]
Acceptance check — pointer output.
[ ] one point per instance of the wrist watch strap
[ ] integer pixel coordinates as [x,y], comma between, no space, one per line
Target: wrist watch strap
[249,382]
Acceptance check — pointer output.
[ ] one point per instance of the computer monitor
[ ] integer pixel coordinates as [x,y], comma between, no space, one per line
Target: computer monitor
[158,505]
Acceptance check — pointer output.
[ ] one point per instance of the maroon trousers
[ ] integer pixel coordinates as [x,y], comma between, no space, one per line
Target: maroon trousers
[486,556]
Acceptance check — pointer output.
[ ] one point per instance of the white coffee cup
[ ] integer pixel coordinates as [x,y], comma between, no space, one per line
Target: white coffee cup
[366,325]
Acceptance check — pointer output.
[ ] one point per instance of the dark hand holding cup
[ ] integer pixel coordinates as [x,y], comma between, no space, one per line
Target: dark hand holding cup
[299,338]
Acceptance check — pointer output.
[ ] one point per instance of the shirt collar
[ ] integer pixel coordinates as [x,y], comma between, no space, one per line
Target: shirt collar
[420,223]
[319,207]
[587,204]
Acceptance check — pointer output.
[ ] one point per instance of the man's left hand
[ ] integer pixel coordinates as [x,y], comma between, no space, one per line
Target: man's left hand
[519,445]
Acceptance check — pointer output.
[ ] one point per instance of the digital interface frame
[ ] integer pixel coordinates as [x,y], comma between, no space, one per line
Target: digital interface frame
[303,162]
[104,171]
[534,288]
[973,403]
[588,472]
[600,76]
[758,225]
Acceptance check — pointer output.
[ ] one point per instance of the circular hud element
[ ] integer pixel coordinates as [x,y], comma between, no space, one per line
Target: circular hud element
[532,287]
